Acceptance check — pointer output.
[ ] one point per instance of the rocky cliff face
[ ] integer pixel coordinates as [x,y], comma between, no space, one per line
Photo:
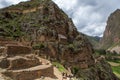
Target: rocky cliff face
[48,32]
[112,34]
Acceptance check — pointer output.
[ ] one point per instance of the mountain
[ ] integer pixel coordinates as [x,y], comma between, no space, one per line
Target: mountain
[37,36]
[94,40]
[111,36]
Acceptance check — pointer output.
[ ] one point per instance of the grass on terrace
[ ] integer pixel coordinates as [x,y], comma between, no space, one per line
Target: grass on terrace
[115,67]
[115,63]
[59,66]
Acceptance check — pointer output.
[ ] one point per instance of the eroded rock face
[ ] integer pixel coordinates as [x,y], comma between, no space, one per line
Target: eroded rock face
[112,33]
[101,71]
[78,53]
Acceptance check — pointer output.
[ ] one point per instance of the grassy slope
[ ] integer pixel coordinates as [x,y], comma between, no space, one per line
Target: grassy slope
[59,66]
[116,67]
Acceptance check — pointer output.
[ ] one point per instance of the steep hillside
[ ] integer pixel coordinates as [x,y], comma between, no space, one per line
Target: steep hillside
[39,29]
[94,40]
[111,38]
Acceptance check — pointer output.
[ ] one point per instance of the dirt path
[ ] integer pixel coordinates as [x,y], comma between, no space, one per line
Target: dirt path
[58,73]
[1,77]
[118,75]
[114,64]
[40,67]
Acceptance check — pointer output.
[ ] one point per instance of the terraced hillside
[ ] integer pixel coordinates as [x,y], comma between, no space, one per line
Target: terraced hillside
[40,29]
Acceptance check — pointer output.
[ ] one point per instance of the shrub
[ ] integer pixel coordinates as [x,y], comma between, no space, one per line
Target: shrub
[38,46]
[71,47]
[101,51]
[75,70]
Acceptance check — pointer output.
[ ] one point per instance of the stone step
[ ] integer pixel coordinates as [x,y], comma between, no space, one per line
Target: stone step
[31,73]
[19,62]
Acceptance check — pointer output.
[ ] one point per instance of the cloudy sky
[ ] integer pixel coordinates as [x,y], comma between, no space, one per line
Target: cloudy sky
[89,16]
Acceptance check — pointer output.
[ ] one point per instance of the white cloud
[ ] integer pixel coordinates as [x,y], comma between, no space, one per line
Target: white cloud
[89,16]
[15,1]
[91,29]
[4,3]
[67,3]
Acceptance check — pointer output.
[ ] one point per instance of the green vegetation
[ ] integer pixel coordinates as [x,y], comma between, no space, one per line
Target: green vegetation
[115,60]
[75,47]
[11,28]
[100,52]
[38,46]
[13,24]
[115,67]
[112,58]
[105,53]
[59,66]
[116,70]
[16,25]
[71,47]
[94,41]
[114,45]
[75,70]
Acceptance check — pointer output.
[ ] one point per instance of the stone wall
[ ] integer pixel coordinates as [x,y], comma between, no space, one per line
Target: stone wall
[30,74]
[13,50]
[4,63]
[22,63]
[25,11]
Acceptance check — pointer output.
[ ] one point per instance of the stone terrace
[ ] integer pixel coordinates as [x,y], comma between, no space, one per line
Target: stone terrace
[18,63]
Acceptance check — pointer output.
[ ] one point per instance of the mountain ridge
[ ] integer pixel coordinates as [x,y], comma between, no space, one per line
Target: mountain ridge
[111,36]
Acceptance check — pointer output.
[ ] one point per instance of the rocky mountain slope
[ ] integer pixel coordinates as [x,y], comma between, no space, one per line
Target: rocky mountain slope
[94,40]
[111,36]
[39,29]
